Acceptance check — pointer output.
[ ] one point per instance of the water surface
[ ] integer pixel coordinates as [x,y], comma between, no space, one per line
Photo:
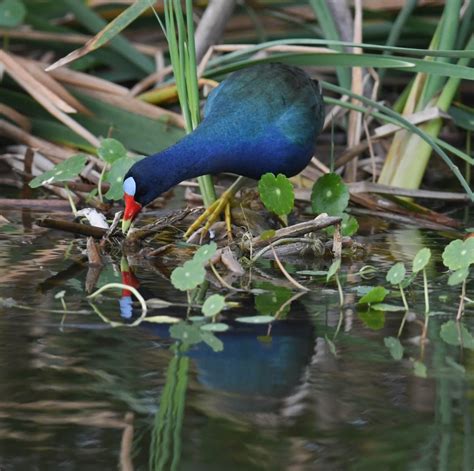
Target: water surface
[320,390]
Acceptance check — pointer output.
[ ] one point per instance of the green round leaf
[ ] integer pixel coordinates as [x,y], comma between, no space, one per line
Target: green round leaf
[187,333]
[115,177]
[205,253]
[255,319]
[276,193]
[396,274]
[330,195]
[395,347]
[421,259]
[459,254]
[63,172]
[215,327]
[213,305]
[454,333]
[375,295]
[458,276]
[189,276]
[111,150]
[12,13]
[349,226]
[374,320]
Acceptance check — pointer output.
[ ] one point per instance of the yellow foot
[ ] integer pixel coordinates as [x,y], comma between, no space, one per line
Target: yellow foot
[212,214]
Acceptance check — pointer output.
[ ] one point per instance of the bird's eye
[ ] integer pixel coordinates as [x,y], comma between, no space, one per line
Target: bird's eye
[129,186]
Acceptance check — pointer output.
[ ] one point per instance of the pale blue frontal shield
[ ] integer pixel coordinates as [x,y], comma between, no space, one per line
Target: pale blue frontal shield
[129,186]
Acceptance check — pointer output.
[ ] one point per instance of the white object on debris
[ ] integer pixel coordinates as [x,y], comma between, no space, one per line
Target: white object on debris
[94,217]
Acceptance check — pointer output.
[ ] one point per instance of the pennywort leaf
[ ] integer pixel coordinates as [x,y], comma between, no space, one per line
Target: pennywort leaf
[62,172]
[276,193]
[330,195]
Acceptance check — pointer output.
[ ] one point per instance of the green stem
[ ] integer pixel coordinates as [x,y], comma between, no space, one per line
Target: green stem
[339,324]
[99,185]
[404,299]
[402,324]
[427,299]
[71,201]
[208,192]
[339,289]
[180,37]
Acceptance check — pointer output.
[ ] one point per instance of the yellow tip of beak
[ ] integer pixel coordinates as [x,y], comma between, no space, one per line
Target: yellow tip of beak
[126,223]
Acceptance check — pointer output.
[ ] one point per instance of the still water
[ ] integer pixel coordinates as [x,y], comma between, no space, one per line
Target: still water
[319,390]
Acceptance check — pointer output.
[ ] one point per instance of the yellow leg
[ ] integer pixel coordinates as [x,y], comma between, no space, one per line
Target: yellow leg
[212,213]
[228,221]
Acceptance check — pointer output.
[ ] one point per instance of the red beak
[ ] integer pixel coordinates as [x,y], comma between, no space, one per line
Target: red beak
[132,208]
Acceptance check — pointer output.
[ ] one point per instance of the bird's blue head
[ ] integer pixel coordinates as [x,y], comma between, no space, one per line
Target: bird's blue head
[139,188]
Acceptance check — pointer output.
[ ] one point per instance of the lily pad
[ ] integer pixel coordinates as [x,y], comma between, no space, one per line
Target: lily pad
[459,254]
[421,259]
[330,195]
[115,177]
[213,305]
[276,193]
[63,172]
[396,274]
[205,253]
[395,347]
[454,333]
[189,276]
[12,13]
[458,276]
[111,150]
[375,295]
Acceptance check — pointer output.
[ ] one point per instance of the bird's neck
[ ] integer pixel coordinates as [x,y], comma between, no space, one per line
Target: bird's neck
[198,153]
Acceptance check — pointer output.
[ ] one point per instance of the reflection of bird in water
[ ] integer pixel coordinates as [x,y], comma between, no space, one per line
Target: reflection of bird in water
[251,364]
[261,119]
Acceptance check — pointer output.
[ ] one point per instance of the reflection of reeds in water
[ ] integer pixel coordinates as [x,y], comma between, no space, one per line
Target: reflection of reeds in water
[165,448]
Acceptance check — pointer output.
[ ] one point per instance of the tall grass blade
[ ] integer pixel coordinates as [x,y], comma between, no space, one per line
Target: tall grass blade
[91,21]
[327,24]
[447,40]
[397,27]
[106,34]
[391,116]
[353,60]
[180,36]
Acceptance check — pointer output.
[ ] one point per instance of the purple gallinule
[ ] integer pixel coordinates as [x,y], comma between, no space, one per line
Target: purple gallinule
[264,118]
